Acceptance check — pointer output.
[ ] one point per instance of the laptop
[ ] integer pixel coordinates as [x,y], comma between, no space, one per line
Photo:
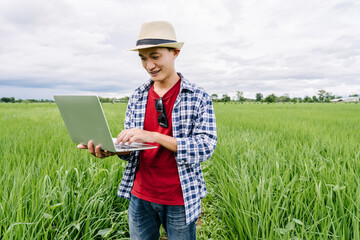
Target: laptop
[85,120]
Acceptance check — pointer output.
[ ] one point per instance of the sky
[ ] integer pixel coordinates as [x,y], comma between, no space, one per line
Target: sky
[298,47]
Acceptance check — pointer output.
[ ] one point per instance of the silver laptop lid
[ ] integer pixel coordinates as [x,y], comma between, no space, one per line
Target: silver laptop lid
[85,120]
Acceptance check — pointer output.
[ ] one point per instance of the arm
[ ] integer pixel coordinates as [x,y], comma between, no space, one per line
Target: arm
[127,125]
[141,136]
[198,144]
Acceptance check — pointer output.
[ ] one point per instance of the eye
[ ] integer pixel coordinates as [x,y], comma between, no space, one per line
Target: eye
[155,57]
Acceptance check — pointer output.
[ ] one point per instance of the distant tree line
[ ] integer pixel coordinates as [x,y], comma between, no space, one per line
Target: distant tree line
[13,100]
[321,96]
[114,100]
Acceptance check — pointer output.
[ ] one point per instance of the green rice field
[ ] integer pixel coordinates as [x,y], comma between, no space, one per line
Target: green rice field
[280,171]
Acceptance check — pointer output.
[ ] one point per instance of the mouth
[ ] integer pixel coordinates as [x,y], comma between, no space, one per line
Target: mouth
[154,72]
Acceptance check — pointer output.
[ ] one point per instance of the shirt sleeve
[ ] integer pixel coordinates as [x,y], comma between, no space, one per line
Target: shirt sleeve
[127,125]
[201,142]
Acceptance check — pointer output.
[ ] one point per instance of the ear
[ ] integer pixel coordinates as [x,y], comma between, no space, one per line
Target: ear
[176,52]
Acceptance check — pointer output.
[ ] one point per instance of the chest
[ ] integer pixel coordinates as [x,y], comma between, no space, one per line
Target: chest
[183,113]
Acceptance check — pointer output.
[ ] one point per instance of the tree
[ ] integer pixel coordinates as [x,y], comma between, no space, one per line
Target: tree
[294,100]
[125,99]
[315,99]
[240,96]
[5,99]
[307,99]
[225,98]
[214,96]
[259,96]
[284,98]
[271,98]
[321,94]
[329,96]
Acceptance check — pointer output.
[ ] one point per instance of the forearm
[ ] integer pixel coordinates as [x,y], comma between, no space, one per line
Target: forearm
[142,136]
[167,142]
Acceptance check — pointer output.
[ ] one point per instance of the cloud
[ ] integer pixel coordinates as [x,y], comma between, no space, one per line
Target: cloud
[252,46]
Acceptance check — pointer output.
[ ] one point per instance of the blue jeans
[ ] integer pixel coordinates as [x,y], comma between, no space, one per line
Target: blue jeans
[145,219]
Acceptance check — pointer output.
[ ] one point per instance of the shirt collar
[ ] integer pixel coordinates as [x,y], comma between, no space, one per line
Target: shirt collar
[185,84]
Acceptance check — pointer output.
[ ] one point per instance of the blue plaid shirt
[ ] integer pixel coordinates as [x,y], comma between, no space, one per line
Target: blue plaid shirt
[193,126]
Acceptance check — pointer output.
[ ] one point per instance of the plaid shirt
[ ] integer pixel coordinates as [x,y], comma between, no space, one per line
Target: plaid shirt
[193,126]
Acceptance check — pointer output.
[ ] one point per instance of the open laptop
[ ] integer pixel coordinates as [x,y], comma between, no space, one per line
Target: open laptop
[85,120]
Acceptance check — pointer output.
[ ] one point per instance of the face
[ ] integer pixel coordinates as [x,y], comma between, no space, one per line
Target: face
[159,62]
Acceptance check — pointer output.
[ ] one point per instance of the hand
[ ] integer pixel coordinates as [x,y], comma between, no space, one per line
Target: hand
[136,135]
[96,151]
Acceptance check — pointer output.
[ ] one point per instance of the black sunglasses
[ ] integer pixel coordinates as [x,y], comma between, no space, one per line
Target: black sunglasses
[162,119]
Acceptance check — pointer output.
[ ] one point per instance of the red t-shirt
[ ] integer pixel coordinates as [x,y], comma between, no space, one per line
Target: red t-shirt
[157,178]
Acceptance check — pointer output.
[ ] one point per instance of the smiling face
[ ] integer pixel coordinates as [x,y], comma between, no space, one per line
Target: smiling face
[159,63]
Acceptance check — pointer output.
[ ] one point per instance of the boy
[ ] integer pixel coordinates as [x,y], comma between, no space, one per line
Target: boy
[164,185]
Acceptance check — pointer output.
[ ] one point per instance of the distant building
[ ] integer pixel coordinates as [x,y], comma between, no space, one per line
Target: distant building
[352,99]
[348,99]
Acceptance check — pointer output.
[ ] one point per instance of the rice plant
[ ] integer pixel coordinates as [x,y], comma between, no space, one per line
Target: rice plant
[49,189]
[280,171]
[285,171]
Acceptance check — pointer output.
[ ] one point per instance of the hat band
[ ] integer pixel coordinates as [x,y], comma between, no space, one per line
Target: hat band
[153,41]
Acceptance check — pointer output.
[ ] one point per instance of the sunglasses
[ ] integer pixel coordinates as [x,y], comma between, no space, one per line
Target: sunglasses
[162,119]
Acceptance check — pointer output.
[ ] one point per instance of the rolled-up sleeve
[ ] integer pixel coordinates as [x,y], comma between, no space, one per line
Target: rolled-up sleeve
[199,142]
[127,125]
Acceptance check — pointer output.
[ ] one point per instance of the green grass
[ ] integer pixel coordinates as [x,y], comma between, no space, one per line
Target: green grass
[49,189]
[280,171]
[286,171]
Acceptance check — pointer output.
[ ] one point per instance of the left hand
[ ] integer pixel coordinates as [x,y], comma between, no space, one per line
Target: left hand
[136,135]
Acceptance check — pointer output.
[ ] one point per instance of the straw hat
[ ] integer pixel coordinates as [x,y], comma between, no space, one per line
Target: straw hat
[157,34]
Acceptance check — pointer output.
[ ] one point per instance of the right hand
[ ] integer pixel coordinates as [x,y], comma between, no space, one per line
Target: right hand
[96,151]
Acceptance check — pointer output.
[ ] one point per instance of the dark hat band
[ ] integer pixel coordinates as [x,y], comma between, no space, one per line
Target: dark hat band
[153,41]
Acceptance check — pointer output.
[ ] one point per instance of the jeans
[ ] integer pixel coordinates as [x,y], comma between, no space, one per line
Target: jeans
[145,219]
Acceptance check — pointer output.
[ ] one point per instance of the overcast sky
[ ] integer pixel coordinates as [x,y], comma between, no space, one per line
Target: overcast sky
[52,47]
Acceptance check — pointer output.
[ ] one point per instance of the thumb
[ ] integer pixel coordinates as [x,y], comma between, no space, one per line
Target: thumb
[81,146]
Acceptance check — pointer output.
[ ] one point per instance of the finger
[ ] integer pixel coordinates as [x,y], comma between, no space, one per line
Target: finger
[108,154]
[121,136]
[124,137]
[91,147]
[118,139]
[132,139]
[121,133]
[81,146]
[133,136]
[98,152]
[104,153]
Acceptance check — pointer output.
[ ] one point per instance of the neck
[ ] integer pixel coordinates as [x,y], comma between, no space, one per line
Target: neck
[161,87]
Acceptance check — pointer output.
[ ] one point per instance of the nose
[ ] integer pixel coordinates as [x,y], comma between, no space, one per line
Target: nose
[150,65]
